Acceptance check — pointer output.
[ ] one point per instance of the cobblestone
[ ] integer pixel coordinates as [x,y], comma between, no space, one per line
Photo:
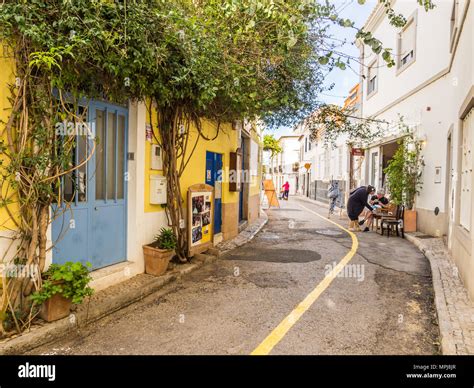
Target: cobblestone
[455,309]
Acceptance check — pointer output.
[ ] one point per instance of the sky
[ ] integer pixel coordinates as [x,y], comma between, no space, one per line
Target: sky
[343,80]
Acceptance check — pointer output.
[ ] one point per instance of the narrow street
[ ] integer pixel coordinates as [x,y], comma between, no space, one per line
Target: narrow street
[383,305]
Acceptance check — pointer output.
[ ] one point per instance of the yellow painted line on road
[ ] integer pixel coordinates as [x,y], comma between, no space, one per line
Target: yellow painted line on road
[280,331]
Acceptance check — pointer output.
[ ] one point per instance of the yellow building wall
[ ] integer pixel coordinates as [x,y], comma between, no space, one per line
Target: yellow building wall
[255,184]
[195,171]
[225,143]
[7,77]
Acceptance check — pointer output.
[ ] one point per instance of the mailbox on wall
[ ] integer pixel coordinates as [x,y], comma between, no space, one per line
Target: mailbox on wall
[235,171]
[157,190]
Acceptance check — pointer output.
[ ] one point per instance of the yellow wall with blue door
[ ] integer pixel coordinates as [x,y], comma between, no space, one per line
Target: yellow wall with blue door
[195,171]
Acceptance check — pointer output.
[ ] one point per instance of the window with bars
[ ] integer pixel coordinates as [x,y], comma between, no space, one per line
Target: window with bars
[372,79]
[406,44]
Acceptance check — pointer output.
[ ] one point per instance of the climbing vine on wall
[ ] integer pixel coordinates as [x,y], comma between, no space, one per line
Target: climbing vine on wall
[221,61]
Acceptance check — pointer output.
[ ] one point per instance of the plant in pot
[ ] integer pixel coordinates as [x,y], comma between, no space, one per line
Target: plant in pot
[159,253]
[63,285]
[404,173]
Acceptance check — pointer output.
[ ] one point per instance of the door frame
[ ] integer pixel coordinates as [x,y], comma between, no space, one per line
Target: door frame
[207,181]
[450,189]
[92,106]
[117,109]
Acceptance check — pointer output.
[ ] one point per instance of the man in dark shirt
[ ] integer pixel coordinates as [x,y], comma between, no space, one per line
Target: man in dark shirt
[356,203]
[377,201]
[380,199]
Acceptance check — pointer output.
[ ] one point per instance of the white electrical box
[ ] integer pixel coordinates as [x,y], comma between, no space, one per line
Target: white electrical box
[156,159]
[157,189]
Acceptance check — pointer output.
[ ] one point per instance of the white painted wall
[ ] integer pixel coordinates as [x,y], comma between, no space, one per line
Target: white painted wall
[432,109]
[432,52]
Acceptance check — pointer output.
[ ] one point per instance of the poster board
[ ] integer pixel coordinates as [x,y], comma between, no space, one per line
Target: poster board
[200,222]
[270,192]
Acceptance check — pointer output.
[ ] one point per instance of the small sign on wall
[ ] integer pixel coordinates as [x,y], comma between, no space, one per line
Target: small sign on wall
[148,133]
[437,175]
[357,152]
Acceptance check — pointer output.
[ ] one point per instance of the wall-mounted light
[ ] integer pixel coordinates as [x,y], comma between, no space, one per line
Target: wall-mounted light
[423,140]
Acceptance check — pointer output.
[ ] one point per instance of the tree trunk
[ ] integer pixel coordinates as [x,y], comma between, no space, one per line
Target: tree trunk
[168,123]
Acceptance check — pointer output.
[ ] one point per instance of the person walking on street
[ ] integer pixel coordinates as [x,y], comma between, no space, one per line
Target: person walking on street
[335,197]
[358,199]
[286,190]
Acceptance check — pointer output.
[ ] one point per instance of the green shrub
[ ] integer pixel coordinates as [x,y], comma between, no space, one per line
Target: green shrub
[166,239]
[70,279]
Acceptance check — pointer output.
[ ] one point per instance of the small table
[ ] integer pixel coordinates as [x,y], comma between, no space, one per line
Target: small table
[378,215]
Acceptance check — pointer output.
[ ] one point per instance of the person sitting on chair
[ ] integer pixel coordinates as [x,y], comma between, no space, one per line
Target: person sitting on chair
[378,201]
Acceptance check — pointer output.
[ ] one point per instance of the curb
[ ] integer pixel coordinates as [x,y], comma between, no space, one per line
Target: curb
[448,346]
[101,304]
[119,296]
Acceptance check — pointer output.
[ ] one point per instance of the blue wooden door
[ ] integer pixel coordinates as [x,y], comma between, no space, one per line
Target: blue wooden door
[214,178]
[241,193]
[93,228]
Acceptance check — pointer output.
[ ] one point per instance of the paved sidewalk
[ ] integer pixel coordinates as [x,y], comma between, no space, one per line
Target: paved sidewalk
[119,296]
[455,309]
[245,236]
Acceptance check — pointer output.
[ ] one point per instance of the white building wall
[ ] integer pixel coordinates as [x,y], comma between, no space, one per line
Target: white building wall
[430,94]
[286,160]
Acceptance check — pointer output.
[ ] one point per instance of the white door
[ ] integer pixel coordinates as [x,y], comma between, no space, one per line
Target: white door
[450,189]
[466,172]
[374,167]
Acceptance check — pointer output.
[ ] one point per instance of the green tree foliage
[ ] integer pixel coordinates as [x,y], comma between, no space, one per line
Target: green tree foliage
[271,144]
[405,169]
[222,60]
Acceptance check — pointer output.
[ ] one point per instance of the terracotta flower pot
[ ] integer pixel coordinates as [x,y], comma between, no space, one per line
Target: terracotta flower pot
[55,308]
[156,260]
[409,220]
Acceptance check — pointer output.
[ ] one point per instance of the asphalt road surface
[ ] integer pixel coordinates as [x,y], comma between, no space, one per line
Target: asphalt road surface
[382,305]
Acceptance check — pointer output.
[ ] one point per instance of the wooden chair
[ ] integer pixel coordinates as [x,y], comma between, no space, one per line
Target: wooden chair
[388,213]
[394,223]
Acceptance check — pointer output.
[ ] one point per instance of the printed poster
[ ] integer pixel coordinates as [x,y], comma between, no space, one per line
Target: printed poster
[201,218]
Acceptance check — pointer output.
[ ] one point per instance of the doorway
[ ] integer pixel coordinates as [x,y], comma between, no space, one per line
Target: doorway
[214,178]
[388,152]
[245,177]
[92,228]
[450,188]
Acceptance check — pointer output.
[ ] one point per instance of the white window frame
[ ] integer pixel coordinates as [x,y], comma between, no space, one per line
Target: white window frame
[372,65]
[411,20]
[453,30]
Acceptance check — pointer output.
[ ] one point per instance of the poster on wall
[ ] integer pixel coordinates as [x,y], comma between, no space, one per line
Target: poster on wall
[148,133]
[200,198]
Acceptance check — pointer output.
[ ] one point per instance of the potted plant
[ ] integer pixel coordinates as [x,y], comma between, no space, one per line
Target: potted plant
[63,285]
[404,172]
[159,253]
